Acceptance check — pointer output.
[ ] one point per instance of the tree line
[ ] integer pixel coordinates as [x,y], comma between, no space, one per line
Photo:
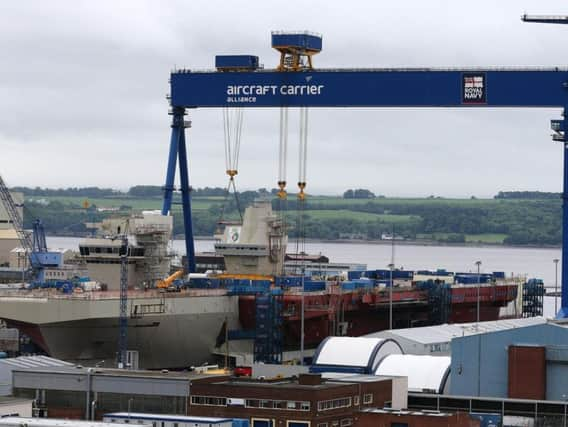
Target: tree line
[525,218]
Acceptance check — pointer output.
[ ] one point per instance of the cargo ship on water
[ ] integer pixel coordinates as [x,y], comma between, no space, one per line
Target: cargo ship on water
[177,323]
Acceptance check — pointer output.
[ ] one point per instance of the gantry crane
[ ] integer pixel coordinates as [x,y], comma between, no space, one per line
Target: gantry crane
[34,246]
[375,87]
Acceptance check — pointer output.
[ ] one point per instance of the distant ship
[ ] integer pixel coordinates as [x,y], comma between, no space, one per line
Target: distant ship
[179,326]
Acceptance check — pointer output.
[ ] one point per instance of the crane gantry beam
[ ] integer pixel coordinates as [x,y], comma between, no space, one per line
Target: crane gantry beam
[384,87]
[545,19]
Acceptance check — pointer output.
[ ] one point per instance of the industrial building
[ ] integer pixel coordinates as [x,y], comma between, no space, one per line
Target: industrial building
[8,365]
[76,392]
[306,400]
[528,362]
[374,417]
[436,340]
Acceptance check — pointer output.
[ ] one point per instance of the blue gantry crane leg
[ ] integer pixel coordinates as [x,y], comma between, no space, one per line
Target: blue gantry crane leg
[169,187]
[178,149]
[563,313]
[186,204]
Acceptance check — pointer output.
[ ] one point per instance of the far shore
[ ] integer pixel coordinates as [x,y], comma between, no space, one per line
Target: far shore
[379,242]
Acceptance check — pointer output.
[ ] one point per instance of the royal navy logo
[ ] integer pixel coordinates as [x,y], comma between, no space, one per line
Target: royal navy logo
[474,88]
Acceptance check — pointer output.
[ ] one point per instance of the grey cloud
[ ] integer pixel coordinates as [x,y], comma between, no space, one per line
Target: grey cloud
[82,88]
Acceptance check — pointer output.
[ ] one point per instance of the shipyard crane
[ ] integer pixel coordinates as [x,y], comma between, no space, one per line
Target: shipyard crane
[480,87]
[123,304]
[33,246]
[545,19]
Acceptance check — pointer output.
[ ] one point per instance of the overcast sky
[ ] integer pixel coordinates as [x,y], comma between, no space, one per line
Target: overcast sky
[83,85]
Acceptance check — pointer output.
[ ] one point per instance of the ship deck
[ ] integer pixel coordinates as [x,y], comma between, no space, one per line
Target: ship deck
[108,295]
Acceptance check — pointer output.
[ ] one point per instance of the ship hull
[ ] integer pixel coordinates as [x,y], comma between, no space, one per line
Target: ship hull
[360,313]
[183,334]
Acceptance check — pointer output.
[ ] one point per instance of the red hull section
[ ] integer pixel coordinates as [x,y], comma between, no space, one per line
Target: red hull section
[355,313]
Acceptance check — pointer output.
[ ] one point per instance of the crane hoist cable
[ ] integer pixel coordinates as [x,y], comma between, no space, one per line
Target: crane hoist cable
[283,152]
[303,152]
[232,131]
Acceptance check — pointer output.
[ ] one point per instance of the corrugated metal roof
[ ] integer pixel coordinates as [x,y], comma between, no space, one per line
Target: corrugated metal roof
[445,333]
[34,362]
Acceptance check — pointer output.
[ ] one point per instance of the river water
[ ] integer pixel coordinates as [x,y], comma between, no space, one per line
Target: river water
[530,262]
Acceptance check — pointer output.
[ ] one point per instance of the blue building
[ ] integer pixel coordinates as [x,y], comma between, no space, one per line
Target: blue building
[528,362]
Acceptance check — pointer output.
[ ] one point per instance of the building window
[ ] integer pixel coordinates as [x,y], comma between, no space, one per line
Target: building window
[326,405]
[355,400]
[269,404]
[208,401]
[334,423]
[346,422]
[322,425]
[289,405]
[252,403]
[367,398]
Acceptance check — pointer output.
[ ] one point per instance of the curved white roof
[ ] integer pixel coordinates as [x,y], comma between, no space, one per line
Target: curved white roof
[354,351]
[423,372]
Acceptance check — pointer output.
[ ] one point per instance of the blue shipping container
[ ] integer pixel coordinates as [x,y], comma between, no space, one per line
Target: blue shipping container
[299,40]
[314,286]
[351,275]
[248,62]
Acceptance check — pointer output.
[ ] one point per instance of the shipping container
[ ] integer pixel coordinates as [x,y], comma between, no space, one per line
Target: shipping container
[352,275]
[308,41]
[236,62]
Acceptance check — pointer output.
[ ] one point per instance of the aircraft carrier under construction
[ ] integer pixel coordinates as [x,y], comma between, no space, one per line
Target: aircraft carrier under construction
[180,323]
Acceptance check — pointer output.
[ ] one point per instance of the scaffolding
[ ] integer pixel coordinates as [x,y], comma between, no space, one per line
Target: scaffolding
[268,334]
[440,301]
[533,298]
[154,239]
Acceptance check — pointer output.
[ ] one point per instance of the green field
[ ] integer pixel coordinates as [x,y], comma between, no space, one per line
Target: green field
[408,201]
[353,215]
[197,203]
[489,238]
[484,221]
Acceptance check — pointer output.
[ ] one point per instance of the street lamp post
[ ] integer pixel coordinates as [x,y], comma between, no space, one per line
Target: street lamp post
[556,286]
[478,263]
[391,266]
